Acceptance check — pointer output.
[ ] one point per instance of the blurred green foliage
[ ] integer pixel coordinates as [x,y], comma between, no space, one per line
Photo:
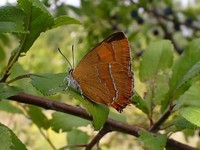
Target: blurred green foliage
[164,70]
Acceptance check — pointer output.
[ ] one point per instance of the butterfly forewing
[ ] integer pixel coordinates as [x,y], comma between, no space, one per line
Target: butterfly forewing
[104,74]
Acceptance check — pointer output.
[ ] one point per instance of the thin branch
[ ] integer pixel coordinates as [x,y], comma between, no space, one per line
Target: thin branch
[98,137]
[156,125]
[113,125]
[48,140]
[162,119]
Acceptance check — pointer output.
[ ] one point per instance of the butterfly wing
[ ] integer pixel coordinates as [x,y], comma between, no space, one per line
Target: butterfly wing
[104,74]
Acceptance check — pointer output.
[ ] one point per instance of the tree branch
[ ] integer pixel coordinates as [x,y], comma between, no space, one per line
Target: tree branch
[98,137]
[111,124]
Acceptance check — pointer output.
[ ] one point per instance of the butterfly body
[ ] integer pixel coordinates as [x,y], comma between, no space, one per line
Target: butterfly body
[104,75]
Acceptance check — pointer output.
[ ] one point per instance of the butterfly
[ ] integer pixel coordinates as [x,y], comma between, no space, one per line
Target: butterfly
[104,75]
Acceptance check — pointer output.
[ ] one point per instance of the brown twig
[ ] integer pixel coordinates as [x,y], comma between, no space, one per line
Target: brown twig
[98,137]
[156,125]
[111,124]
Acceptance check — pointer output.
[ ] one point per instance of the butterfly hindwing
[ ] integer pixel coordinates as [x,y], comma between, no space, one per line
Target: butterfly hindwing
[104,74]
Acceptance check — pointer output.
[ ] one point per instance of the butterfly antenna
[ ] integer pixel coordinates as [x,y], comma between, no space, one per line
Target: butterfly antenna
[65,58]
[73,55]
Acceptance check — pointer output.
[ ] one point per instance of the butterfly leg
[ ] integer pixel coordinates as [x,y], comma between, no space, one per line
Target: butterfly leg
[66,83]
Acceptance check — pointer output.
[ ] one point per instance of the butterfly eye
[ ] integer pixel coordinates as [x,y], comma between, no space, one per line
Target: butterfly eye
[70,70]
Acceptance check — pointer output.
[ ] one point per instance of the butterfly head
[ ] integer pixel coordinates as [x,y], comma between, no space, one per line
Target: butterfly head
[72,82]
[70,70]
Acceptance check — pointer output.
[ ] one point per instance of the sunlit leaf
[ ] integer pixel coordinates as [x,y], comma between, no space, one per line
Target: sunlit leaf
[38,117]
[65,122]
[182,123]
[192,114]
[158,56]
[191,97]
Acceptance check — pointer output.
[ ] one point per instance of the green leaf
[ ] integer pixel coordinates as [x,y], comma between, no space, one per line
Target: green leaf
[49,84]
[191,114]
[152,141]
[66,122]
[38,117]
[11,20]
[192,75]
[183,64]
[98,111]
[182,123]
[158,56]
[2,56]
[9,140]
[140,103]
[7,106]
[191,97]
[8,91]
[77,137]
[37,20]
[118,117]
[161,88]
[64,20]
[53,83]
[185,70]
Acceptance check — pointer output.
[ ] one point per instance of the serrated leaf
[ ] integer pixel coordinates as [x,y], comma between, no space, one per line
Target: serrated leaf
[37,20]
[77,137]
[38,117]
[64,20]
[191,97]
[180,68]
[5,105]
[11,20]
[158,56]
[192,75]
[9,140]
[49,84]
[152,141]
[8,91]
[140,103]
[65,122]
[191,114]
[182,123]
[184,63]
[39,5]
